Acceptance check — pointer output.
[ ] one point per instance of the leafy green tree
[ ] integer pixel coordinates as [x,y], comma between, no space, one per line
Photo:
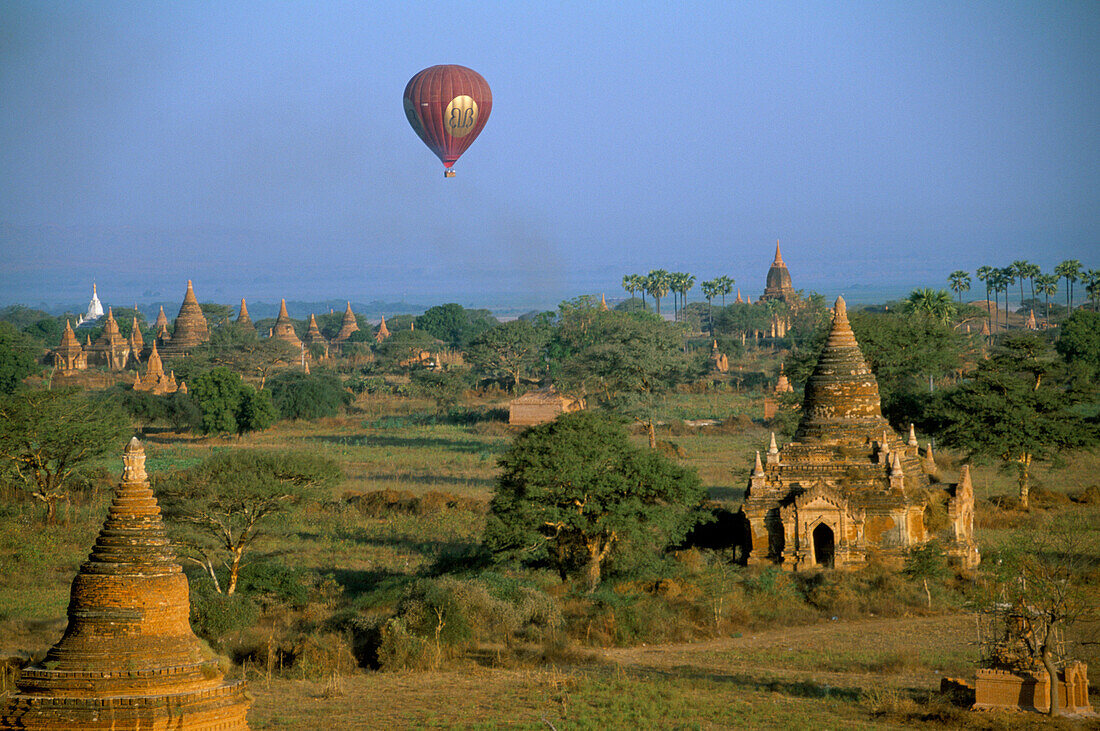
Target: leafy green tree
[1079,341]
[46,436]
[960,282]
[1008,411]
[453,324]
[575,491]
[622,360]
[507,352]
[256,412]
[17,357]
[404,346]
[444,387]
[216,315]
[1047,285]
[48,330]
[220,508]
[1069,270]
[299,395]
[228,404]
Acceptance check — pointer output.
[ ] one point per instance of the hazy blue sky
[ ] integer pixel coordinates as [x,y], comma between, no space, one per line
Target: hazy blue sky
[261,148]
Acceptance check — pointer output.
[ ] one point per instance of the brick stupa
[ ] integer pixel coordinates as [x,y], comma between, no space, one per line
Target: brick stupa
[778,284]
[190,330]
[313,335]
[383,331]
[160,327]
[348,326]
[243,318]
[128,658]
[69,356]
[848,487]
[284,328]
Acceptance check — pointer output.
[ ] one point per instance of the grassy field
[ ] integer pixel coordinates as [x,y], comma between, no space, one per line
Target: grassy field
[855,671]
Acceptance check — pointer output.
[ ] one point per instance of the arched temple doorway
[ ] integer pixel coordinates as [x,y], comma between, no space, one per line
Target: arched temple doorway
[824,545]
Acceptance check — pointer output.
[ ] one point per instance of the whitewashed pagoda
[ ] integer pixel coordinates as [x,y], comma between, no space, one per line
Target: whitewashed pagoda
[95,309]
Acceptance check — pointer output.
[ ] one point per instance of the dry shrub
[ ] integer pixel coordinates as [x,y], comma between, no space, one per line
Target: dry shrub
[671,450]
[1049,498]
[1089,496]
[494,429]
[736,424]
[322,656]
[936,518]
[1000,512]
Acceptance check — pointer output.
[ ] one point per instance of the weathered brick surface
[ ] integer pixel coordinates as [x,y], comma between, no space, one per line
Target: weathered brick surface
[1031,691]
[848,485]
[128,658]
[190,329]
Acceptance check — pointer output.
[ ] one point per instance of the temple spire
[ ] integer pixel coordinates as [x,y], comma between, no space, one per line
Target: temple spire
[778,256]
[758,468]
[912,436]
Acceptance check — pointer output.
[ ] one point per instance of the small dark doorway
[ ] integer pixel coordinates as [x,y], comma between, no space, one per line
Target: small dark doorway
[823,545]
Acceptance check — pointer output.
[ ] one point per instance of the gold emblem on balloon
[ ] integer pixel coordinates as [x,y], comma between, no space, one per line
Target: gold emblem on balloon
[460,117]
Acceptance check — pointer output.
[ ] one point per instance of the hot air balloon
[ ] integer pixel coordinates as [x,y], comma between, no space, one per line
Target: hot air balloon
[447,107]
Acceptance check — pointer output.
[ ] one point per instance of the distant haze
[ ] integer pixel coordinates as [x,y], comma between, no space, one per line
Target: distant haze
[261,149]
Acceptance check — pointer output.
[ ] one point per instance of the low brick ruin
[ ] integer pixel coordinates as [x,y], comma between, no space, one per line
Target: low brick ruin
[1030,690]
[128,658]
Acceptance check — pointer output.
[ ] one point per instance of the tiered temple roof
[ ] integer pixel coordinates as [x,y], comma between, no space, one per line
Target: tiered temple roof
[154,380]
[778,285]
[128,658]
[69,355]
[110,348]
[284,328]
[848,485]
[190,330]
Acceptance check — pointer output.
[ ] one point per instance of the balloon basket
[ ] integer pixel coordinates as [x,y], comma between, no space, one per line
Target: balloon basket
[448,173]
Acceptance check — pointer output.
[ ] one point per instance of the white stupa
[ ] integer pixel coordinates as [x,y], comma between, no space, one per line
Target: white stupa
[95,308]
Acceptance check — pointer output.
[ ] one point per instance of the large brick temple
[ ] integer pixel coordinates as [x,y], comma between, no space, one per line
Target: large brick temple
[128,658]
[848,488]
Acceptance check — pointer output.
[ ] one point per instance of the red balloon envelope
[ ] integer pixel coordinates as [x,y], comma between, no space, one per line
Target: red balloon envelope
[448,106]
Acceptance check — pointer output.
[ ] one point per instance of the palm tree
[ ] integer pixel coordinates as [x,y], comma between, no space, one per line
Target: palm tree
[710,291]
[725,286]
[933,303]
[960,282]
[1069,270]
[1031,271]
[658,282]
[675,283]
[1047,285]
[1092,287]
[686,282]
[630,284]
[985,274]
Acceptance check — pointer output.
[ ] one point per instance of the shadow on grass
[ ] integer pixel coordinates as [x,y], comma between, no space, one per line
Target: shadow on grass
[745,681]
[465,446]
[721,492]
[356,582]
[428,478]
